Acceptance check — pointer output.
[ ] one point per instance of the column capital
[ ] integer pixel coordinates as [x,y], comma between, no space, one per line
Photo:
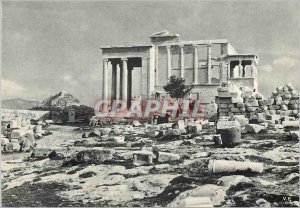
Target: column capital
[124,59]
[168,46]
[195,45]
[105,59]
[208,44]
[181,46]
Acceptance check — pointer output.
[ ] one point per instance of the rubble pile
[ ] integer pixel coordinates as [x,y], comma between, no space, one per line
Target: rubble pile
[235,100]
[19,134]
[285,101]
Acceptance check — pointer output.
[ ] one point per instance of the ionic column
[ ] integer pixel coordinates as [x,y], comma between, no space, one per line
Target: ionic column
[221,66]
[169,60]
[105,80]
[195,64]
[181,61]
[156,65]
[228,71]
[114,81]
[124,78]
[118,83]
[208,63]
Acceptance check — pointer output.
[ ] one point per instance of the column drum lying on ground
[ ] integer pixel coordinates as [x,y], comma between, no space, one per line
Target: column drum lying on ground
[216,166]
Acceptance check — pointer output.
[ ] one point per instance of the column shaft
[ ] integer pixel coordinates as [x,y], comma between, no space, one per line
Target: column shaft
[169,61]
[209,64]
[124,79]
[181,62]
[118,86]
[195,64]
[156,65]
[105,79]
[114,81]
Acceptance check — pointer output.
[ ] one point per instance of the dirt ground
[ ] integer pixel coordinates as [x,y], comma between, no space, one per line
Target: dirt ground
[44,182]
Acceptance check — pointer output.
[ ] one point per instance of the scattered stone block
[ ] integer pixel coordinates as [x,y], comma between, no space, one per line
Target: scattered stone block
[291,123]
[105,131]
[252,103]
[38,129]
[242,120]
[251,109]
[142,158]
[294,135]
[179,125]
[194,128]
[223,94]
[94,156]
[9,147]
[254,128]
[18,133]
[85,135]
[237,100]
[136,123]
[166,157]
[4,141]
[16,146]
[119,139]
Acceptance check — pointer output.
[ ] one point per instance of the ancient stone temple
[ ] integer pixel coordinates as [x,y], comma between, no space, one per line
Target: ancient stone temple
[141,71]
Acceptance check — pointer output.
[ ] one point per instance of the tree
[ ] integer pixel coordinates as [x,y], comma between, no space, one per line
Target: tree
[176,87]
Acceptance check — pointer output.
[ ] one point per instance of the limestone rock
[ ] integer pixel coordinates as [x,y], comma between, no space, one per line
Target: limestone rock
[85,135]
[105,131]
[95,156]
[4,141]
[8,147]
[179,125]
[119,139]
[233,180]
[200,197]
[263,203]
[254,128]
[294,134]
[136,123]
[242,120]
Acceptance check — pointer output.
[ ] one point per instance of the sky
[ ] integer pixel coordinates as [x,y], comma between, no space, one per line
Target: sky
[50,46]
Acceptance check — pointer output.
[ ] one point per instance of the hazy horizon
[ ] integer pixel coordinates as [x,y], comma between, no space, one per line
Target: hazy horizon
[51,46]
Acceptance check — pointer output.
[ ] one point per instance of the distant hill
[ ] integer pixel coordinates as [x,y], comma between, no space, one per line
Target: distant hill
[60,100]
[18,103]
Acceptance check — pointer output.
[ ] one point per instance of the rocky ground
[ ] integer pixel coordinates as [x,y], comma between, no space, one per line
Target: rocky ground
[51,178]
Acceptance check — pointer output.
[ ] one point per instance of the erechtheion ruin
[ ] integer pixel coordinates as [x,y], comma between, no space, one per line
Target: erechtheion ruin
[142,70]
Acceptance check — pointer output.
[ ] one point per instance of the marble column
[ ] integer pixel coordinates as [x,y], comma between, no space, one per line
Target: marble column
[124,78]
[118,83]
[156,65]
[105,80]
[208,63]
[168,48]
[195,64]
[181,61]
[114,81]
